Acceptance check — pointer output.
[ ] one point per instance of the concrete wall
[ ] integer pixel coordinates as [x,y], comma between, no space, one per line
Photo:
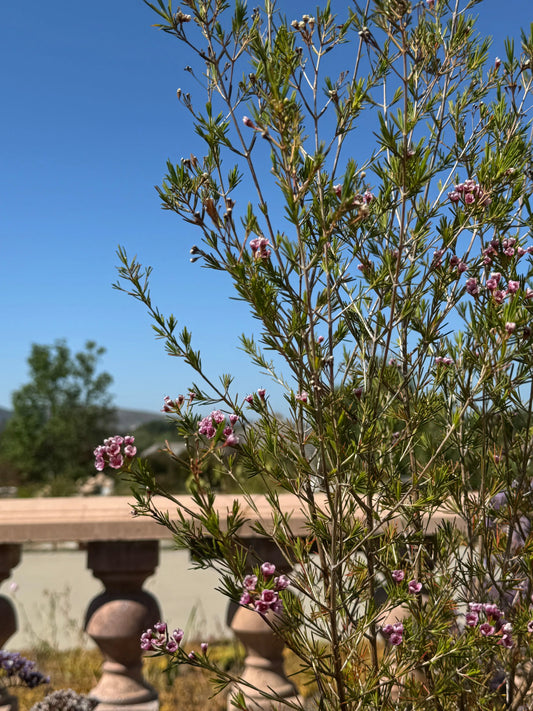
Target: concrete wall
[54,588]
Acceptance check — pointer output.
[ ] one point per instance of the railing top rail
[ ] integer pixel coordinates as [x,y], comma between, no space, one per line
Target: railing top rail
[107,518]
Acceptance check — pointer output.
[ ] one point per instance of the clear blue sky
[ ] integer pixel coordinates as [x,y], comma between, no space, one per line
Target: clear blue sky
[89,117]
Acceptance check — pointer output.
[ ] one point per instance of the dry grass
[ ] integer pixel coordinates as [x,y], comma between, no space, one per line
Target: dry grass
[79,670]
[184,689]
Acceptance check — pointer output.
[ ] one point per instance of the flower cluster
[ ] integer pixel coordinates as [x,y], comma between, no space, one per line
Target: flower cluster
[259,247]
[114,451]
[268,598]
[393,633]
[159,639]
[471,193]
[16,669]
[209,425]
[493,621]
[508,248]
[443,360]
[65,700]
[170,405]
[261,392]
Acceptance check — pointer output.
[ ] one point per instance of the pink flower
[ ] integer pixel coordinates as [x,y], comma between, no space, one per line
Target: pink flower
[530,626]
[262,606]
[249,399]
[259,248]
[497,62]
[172,646]
[269,596]
[414,587]
[261,392]
[177,635]
[492,610]
[246,599]
[302,397]
[232,440]
[281,583]
[471,619]
[268,569]
[233,418]
[486,630]
[510,327]
[250,582]
[472,287]
[506,641]
[395,639]
[204,647]
[469,198]
[248,122]
[398,575]
[116,461]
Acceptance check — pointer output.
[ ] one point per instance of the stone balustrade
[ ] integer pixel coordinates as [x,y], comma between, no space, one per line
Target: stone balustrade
[122,551]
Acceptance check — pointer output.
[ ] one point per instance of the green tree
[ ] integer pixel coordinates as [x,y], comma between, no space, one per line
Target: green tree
[59,415]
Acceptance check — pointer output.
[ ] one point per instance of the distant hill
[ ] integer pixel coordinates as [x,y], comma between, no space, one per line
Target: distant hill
[127,420]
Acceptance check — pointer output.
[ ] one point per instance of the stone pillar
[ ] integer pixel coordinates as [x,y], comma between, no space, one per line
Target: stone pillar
[10,554]
[263,664]
[116,619]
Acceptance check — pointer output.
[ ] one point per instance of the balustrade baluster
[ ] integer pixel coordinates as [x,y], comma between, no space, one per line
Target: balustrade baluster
[10,554]
[116,618]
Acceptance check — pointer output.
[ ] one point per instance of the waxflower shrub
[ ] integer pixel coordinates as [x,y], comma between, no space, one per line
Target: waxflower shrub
[362,176]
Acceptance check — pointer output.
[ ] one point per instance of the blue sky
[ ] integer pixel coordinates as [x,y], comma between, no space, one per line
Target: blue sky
[89,117]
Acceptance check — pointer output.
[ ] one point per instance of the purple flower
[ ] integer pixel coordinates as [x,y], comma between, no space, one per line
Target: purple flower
[506,641]
[395,639]
[414,587]
[268,569]
[204,647]
[398,575]
[160,627]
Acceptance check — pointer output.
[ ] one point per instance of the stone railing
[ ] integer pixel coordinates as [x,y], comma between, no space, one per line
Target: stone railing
[122,552]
